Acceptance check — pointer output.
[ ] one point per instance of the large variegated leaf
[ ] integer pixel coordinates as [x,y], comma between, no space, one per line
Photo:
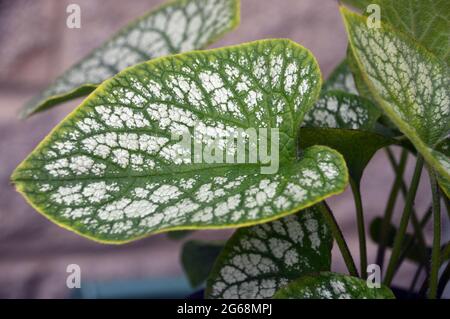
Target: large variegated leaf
[180,25]
[409,83]
[113,172]
[327,285]
[198,257]
[427,21]
[259,260]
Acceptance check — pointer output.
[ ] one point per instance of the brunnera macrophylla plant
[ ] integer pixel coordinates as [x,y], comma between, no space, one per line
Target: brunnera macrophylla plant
[249,137]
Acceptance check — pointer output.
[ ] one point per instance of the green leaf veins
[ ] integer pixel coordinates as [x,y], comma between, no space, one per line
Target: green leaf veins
[408,82]
[427,21]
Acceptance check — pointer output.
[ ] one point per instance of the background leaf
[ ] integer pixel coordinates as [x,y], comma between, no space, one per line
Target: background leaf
[198,257]
[327,285]
[258,260]
[180,25]
[341,79]
[111,171]
[337,109]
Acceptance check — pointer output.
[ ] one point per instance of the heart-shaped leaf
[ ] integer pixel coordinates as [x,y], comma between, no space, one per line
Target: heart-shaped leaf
[180,25]
[198,257]
[327,285]
[427,21]
[113,171]
[258,260]
[409,83]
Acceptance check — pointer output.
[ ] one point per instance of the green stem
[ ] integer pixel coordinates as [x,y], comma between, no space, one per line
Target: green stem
[337,234]
[400,236]
[445,255]
[418,229]
[361,228]
[415,279]
[445,277]
[390,206]
[435,253]
[412,241]
[447,205]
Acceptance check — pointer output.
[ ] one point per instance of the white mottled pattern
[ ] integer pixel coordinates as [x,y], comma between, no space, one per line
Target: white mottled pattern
[259,260]
[173,28]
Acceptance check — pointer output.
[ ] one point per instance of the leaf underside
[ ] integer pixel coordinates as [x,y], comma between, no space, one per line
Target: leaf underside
[111,171]
[180,25]
[327,285]
[357,146]
[409,83]
[198,257]
[259,260]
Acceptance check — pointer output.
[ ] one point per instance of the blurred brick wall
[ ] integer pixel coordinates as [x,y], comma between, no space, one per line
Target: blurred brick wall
[36,46]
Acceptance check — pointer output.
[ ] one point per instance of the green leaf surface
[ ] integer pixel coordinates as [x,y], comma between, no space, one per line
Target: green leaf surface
[258,260]
[180,25]
[409,83]
[357,147]
[198,257]
[427,21]
[337,109]
[111,170]
[327,285]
